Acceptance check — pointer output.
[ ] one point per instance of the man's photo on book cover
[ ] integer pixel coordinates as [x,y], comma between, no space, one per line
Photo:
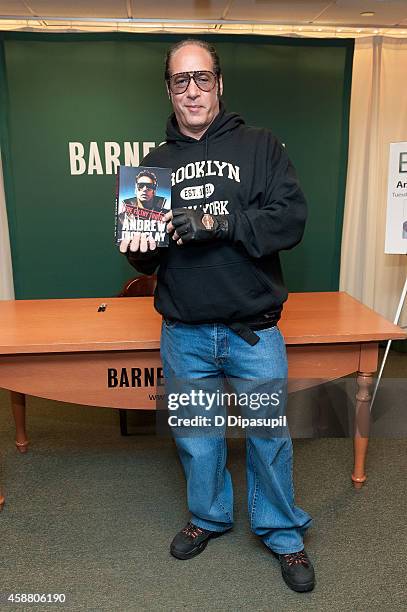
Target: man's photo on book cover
[143,198]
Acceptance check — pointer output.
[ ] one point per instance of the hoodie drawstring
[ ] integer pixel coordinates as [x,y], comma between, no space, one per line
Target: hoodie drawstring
[206,159]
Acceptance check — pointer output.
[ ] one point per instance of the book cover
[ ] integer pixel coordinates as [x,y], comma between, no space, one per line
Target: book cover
[142,199]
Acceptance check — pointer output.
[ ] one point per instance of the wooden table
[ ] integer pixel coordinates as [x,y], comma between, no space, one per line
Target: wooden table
[64,349]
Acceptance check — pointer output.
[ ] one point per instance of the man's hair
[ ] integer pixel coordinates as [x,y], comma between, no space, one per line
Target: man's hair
[150,175]
[199,43]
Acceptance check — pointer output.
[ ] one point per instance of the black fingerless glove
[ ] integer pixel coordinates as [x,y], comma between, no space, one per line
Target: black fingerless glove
[197,226]
[146,262]
[139,256]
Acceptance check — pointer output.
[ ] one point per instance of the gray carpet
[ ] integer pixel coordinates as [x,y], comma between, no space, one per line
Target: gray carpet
[91,514]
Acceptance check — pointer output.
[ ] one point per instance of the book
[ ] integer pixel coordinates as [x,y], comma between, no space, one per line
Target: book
[143,197]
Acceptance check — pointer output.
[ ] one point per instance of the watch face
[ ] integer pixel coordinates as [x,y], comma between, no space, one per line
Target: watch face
[208,221]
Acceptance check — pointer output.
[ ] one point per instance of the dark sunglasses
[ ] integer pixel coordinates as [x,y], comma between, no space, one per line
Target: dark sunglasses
[149,186]
[204,79]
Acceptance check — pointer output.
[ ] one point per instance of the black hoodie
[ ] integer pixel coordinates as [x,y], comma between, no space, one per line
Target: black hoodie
[244,173]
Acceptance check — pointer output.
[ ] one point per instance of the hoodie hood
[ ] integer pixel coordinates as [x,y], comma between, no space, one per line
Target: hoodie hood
[222,124]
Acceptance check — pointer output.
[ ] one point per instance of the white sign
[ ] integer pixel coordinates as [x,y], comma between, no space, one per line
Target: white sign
[396,220]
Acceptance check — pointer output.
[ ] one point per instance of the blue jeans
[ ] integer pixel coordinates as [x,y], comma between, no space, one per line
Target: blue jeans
[213,351]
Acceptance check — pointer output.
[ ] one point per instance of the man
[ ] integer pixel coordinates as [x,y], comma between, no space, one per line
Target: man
[236,203]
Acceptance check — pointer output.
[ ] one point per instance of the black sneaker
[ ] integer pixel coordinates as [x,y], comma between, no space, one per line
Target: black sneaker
[297,571]
[191,541]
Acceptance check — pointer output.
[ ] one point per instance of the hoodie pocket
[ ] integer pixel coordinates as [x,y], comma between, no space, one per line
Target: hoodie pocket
[262,277]
[226,292]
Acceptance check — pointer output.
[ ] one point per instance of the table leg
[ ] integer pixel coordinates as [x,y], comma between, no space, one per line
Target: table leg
[18,407]
[362,425]
[2,498]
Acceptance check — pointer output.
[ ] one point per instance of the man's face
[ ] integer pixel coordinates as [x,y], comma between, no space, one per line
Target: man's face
[194,109]
[145,190]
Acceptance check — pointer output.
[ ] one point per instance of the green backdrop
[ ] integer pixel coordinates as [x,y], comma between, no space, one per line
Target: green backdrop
[57,89]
